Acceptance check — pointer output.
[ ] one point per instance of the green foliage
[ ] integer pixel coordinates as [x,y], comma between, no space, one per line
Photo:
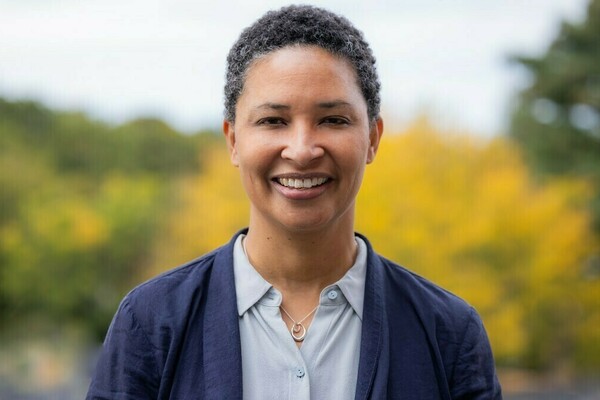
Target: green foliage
[81,206]
[557,121]
[557,124]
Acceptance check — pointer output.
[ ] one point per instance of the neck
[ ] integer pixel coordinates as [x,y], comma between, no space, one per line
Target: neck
[301,263]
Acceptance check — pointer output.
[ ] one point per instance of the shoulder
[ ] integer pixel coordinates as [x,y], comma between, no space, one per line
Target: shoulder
[175,281]
[153,324]
[403,284]
[400,285]
[191,273]
[446,322]
[427,310]
[171,296]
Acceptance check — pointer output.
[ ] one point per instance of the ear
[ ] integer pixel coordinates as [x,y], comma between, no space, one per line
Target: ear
[229,132]
[375,133]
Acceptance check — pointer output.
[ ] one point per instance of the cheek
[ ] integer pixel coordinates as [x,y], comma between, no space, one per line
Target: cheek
[254,158]
[354,153]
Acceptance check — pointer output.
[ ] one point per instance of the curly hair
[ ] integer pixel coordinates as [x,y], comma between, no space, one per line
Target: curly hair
[301,25]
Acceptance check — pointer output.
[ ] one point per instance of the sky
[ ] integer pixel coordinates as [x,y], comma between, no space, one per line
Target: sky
[118,60]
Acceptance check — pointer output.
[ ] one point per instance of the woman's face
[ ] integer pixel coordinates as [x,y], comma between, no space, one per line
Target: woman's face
[301,140]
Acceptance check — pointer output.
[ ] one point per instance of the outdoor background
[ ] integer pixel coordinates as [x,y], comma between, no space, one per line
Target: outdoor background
[487,181]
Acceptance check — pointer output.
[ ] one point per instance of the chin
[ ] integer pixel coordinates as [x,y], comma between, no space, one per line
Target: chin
[302,224]
[303,227]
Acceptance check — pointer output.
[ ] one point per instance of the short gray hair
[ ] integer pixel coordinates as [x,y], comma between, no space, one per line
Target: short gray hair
[301,25]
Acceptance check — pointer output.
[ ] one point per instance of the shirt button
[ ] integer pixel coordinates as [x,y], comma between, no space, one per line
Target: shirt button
[332,295]
[300,372]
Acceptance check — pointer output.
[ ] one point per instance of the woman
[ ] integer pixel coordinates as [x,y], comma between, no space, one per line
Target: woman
[297,306]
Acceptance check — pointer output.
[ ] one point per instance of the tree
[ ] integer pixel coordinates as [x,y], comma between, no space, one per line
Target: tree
[557,120]
[81,204]
[467,214]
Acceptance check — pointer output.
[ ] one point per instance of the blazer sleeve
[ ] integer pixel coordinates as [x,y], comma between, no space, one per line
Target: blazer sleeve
[127,367]
[474,374]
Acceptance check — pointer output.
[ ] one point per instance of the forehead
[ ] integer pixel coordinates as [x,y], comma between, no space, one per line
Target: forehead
[303,71]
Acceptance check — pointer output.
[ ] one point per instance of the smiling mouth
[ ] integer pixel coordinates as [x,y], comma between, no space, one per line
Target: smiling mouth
[303,183]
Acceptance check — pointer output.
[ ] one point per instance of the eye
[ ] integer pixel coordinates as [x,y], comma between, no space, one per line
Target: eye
[271,121]
[335,120]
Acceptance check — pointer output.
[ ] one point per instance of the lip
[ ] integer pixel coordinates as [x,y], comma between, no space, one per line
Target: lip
[296,175]
[301,194]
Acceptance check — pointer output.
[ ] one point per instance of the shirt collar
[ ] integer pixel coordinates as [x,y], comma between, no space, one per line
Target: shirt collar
[250,286]
[352,283]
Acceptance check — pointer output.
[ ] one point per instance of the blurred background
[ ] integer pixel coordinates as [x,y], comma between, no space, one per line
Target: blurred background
[487,182]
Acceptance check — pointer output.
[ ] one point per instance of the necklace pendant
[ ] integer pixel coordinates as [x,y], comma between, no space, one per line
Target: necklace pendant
[298,332]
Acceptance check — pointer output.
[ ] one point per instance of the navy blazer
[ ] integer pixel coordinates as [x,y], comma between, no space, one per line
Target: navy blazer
[177,337]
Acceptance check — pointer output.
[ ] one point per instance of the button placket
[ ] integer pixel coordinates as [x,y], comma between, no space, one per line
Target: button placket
[299,382]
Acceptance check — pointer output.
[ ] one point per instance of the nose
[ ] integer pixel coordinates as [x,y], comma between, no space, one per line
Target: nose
[302,145]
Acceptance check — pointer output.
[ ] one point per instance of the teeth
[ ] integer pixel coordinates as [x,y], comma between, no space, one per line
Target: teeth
[305,183]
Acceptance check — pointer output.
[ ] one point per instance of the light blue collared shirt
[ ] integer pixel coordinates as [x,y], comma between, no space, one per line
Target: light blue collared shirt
[326,365]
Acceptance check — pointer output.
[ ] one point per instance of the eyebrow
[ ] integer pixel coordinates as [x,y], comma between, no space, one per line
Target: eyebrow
[334,104]
[325,104]
[272,106]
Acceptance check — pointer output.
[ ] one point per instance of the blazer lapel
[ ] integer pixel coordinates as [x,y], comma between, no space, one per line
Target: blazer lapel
[373,338]
[222,348]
